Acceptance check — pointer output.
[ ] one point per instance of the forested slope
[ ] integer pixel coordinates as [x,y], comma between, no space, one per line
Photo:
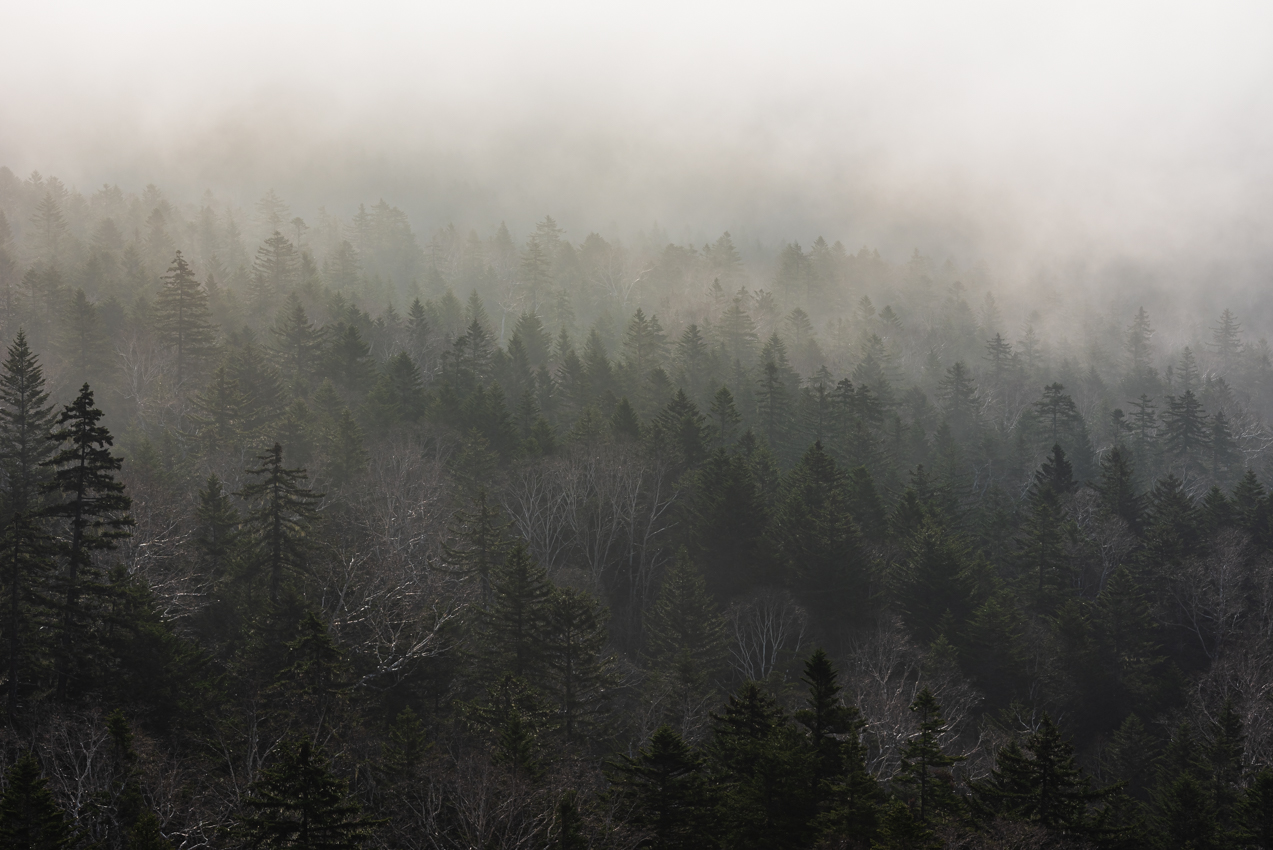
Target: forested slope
[323,533]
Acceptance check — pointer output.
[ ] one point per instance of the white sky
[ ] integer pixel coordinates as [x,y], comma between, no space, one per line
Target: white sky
[1023,129]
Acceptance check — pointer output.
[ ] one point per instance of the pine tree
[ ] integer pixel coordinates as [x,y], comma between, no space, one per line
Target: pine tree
[762,769]
[819,539]
[405,747]
[182,318]
[924,760]
[1257,811]
[83,342]
[1185,427]
[1227,340]
[221,408]
[665,783]
[298,803]
[26,420]
[95,508]
[274,272]
[217,533]
[515,626]
[1039,780]
[281,520]
[479,542]
[685,632]
[725,415]
[581,677]
[1117,490]
[298,343]
[29,817]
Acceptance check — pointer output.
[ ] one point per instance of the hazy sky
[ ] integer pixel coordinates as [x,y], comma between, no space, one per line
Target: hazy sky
[1010,132]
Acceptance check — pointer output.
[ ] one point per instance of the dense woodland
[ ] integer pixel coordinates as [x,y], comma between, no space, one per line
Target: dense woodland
[335,534]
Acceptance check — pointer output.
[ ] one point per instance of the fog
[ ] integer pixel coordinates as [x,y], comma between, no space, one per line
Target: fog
[1062,137]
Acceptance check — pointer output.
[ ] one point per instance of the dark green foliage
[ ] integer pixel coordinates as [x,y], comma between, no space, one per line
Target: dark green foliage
[820,542]
[665,783]
[26,420]
[29,817]
[297,802]
[925,763]
[1038,779]
[94,507]
[281,522]
[183,319]
[513,628]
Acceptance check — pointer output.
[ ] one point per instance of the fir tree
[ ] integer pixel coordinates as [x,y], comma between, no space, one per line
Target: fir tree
[924,762]
[182,317]
[281,521]
[665,783]
[297,802]
[479,542]
[1039,780]
[580,675]
[514,628]
[95,508]
[26,420]
[30,819]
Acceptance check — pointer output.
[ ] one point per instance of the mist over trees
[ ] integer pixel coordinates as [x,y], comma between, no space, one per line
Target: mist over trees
[332,532]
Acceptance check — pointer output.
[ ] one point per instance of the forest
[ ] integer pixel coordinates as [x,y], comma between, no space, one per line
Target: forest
[333,533]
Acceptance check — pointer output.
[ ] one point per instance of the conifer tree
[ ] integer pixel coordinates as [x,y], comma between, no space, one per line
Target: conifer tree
[93,505]
[924,759]
[182,318]
[479,542]
[274,272]
[724,415]
[26,420]
[580,675]
[819,538]
[1039,780]
[297,802]
[298,343]
[83,342]
[281,521]
[514,628]
[685,634]
[665,783]
[30,819]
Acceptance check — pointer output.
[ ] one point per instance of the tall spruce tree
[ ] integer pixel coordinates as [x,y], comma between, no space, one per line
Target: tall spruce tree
[281,521]
[30,818]
[924,760]
[94,507]
[298,803]
[26,420]
[182,317]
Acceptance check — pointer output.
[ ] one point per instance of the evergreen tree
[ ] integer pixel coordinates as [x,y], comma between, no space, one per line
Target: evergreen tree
[580,676]
[1117,491]
[725,415]
[94,507]
[763,773]
[182,317]
[1186,432]
[666,786]
[1257,811]
[515,626]
[298,343]
[820,539]
[84,344]
[26,420]
[298,803]
[481,542]
[30,819]
[924,762]
[274,272]
[1039,780]
[281,521]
